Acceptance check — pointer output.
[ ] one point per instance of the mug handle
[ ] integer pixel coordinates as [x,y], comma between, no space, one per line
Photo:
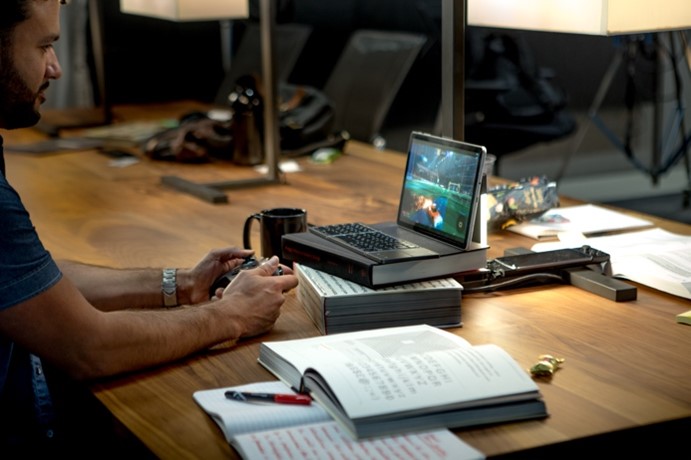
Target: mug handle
[246,243]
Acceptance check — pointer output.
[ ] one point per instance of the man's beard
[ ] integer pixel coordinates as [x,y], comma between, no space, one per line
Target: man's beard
[17,101]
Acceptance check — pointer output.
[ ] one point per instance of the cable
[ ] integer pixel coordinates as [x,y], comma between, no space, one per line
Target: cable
[512,281]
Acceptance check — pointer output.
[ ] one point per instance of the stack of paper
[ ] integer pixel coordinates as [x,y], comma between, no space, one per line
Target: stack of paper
[338,305]
[585,219]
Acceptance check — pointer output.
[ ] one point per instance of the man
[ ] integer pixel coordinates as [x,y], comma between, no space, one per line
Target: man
[88,321]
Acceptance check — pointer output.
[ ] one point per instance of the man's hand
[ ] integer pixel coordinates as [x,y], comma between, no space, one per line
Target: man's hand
[194,284]
[255,296]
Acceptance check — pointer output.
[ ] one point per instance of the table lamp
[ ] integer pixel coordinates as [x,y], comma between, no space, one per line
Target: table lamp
[187,10]
[592,17]
[201,10]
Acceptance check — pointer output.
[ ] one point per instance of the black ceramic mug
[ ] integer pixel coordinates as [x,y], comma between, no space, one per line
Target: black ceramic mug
[273,224]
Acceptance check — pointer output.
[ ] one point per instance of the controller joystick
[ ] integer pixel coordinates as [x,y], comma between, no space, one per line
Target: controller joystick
[249,263]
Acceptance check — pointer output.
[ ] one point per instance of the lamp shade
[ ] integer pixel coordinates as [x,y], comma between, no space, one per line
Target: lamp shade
[593,17]
[187,10]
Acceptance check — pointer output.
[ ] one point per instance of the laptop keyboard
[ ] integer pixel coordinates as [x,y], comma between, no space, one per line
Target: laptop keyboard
[361,237]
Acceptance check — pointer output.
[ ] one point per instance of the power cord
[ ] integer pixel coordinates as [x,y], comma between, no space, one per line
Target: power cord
[512,281]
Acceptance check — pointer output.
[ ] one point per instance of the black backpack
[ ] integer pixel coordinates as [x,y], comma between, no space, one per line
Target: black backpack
[510,101]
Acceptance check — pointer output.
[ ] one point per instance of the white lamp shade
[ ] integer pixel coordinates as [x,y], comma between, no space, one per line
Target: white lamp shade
[593,17]
[187,10]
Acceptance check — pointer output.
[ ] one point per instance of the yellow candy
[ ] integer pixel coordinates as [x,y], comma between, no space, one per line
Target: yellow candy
[546,366]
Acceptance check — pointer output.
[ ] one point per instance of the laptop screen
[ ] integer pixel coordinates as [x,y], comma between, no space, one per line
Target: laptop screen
[441,188]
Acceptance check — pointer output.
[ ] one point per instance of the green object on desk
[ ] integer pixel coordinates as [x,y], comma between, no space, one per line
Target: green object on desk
[325,155]
[684,318]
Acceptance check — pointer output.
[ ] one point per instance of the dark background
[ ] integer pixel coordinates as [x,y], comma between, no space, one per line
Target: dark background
[151,60]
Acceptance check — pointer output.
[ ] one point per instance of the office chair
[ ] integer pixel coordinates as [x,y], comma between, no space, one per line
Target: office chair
[290,40]
[367,77]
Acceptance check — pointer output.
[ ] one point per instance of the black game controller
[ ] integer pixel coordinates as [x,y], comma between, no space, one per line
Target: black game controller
[249,263]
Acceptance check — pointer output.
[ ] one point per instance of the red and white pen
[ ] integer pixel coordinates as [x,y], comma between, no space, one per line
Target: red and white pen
[278,398]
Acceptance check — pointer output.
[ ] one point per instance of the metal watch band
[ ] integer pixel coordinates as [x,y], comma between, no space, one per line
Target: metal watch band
[169,287]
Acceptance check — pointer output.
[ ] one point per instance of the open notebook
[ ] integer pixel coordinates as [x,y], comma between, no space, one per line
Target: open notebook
[439,199]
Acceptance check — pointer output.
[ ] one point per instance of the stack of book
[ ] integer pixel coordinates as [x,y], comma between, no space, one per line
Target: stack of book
[338,305]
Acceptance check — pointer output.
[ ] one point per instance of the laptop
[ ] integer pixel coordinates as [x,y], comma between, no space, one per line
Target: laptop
[438,203]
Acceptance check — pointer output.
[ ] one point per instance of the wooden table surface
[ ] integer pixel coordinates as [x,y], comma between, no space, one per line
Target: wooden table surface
[628,364]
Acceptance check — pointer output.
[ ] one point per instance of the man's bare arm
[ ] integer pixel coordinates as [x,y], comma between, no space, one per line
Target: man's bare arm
[110,289]
[64,329]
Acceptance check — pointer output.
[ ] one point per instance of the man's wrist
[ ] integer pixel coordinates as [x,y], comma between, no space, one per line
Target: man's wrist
[169,287]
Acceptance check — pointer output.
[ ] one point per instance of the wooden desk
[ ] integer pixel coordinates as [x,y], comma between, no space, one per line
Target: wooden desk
[627,369]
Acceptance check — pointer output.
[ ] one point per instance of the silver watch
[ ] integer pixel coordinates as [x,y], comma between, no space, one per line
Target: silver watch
[169,287]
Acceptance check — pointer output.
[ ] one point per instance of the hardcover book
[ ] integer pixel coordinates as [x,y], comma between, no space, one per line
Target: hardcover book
[337,305]
[316,252]
[395,380]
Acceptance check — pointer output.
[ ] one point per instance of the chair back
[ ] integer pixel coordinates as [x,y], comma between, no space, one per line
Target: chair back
[289,42]
[366,78]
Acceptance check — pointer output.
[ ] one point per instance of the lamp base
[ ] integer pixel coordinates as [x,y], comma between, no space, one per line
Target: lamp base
[213,192]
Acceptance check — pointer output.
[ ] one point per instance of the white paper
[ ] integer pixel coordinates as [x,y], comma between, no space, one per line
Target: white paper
[655,258]
[329,441]
[236,417]
[582,219]
[282,431]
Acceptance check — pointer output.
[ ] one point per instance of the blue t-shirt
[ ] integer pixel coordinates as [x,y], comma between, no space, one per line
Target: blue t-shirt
[26,270]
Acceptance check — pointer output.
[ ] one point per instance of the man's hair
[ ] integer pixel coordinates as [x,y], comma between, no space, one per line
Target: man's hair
[13,12]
